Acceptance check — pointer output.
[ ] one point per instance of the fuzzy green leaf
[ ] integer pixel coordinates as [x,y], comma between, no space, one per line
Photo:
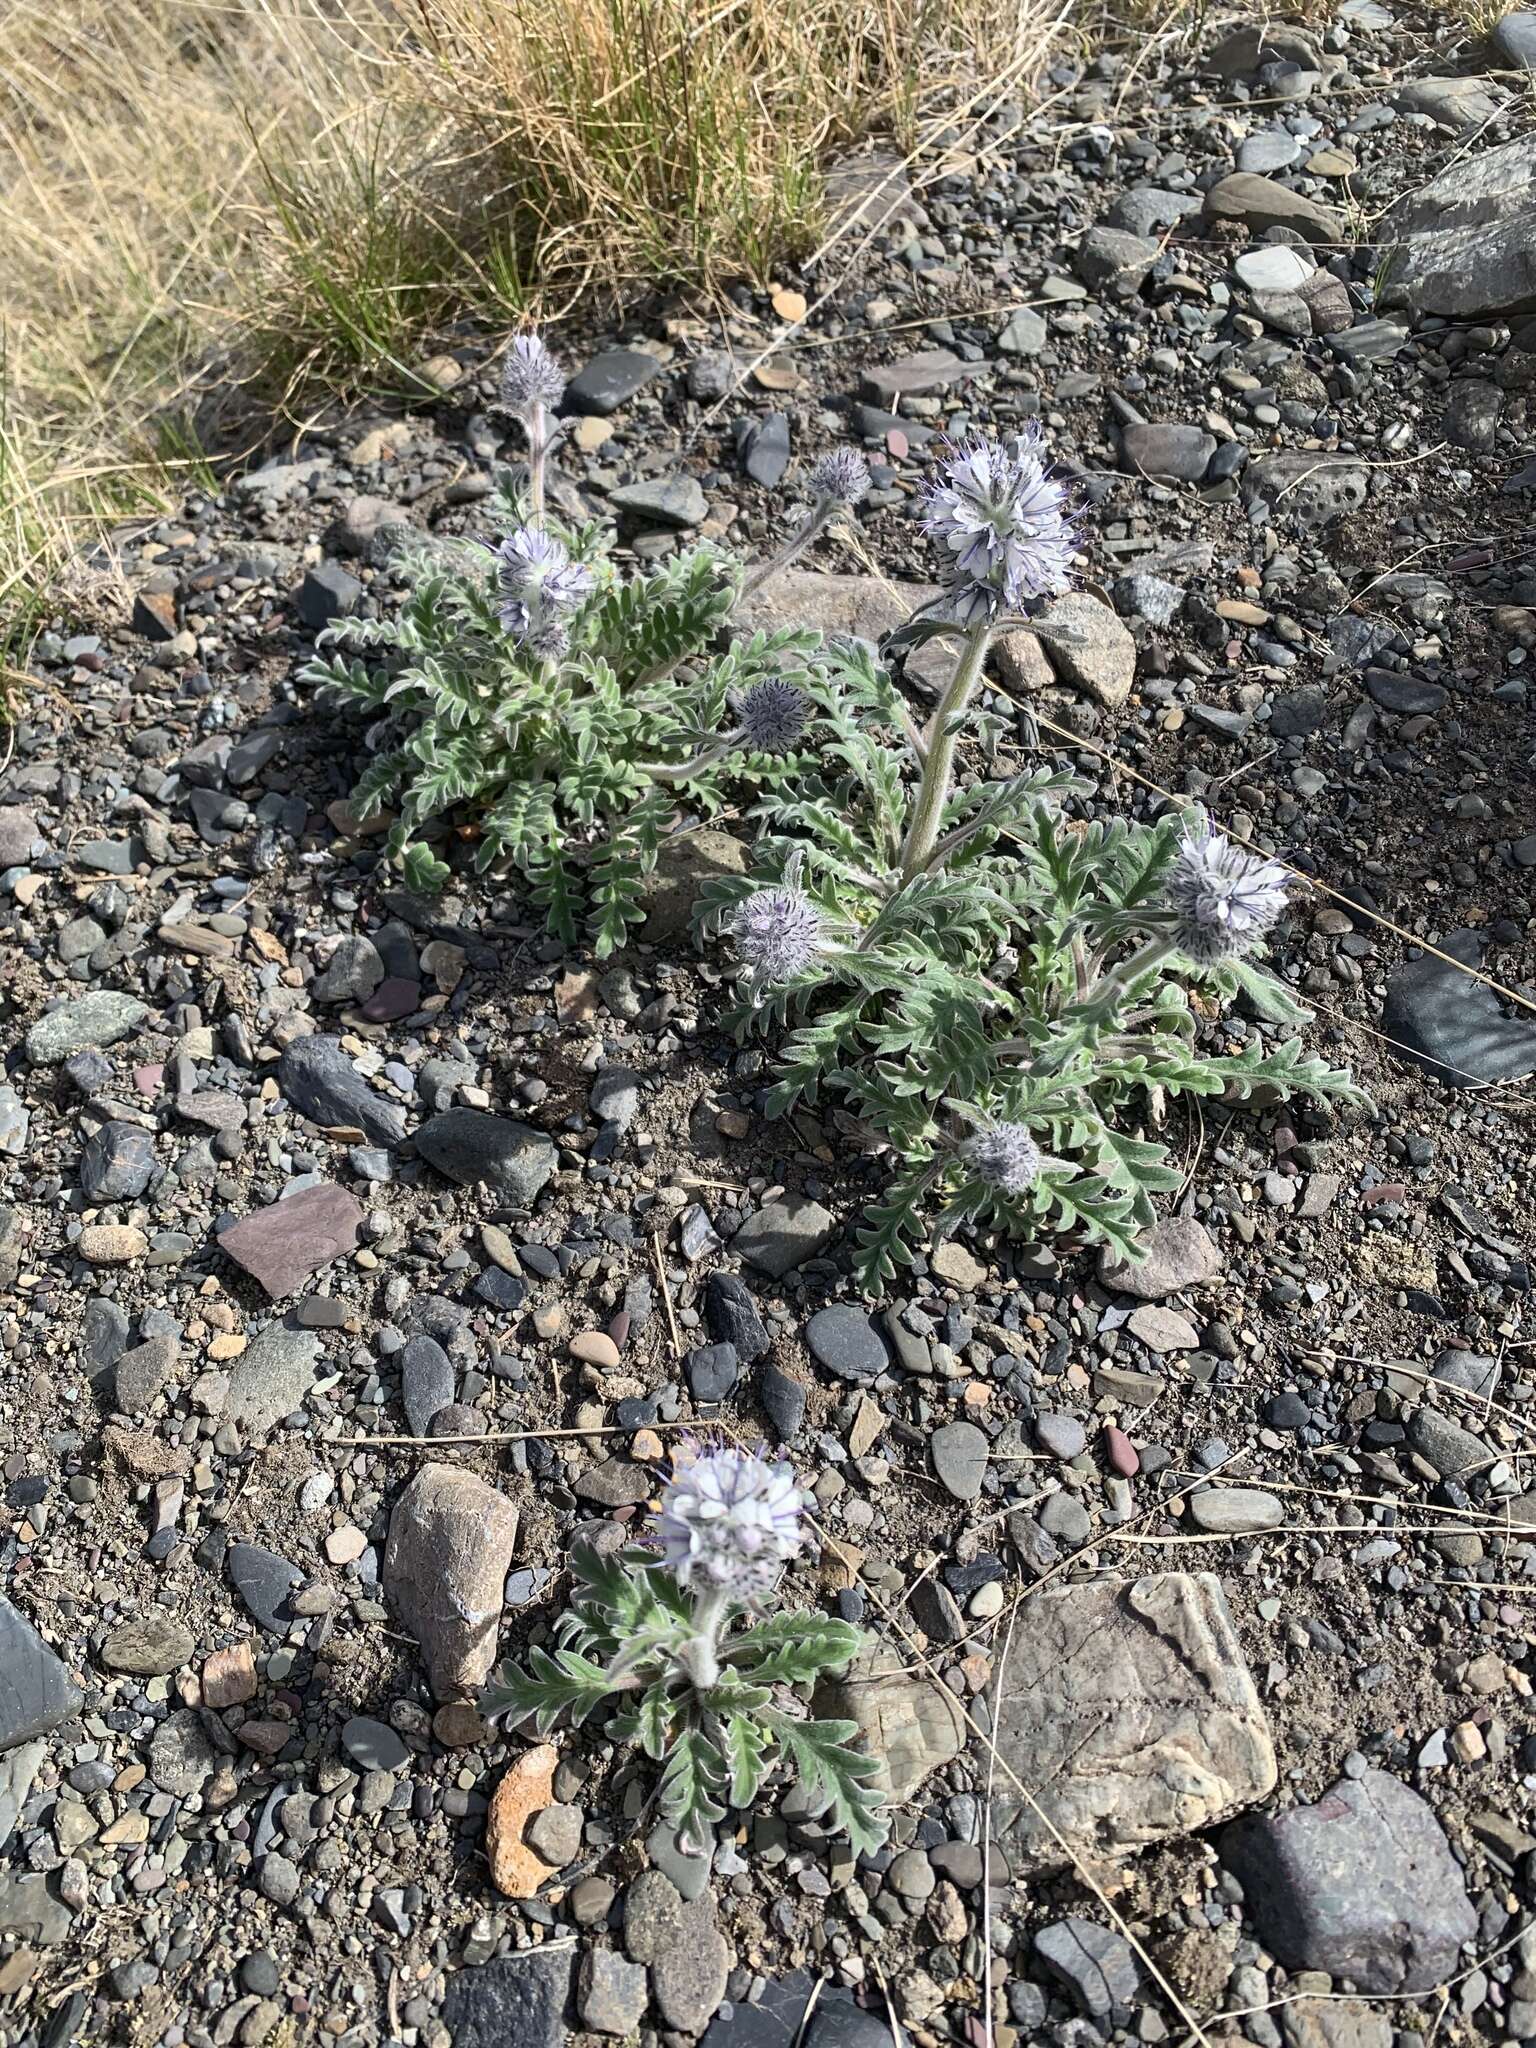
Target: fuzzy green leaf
[836,1776]
[564,1682]
[692,1783]
[794,1649]
[745,1745]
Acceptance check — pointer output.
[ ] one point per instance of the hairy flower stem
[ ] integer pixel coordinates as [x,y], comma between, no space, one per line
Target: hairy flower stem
[819,519]
[537,422]
[939,767]
[699,764]
[700,1655]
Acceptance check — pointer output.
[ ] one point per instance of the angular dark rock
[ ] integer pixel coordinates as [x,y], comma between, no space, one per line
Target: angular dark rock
[117,1163]
[36,1692]
[264,1581]
[733,1317]
[517,2000]
[1454,1026]
[426,1382]
[1362,1885]
[321,1082]
[1097,1965]
[609,381]
[473,1147]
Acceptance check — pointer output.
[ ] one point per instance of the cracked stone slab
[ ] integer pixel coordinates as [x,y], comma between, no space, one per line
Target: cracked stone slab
[1129,1712]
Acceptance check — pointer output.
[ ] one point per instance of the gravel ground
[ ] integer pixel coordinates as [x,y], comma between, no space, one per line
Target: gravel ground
[1232,1554]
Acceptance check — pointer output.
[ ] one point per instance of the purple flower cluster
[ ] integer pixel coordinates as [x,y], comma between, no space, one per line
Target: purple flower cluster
[773,715]
[778,933]
[839,478]
[1006,1157]
[1221,899]
[540,588]
[530,377]
[1005,523]
[730,1522]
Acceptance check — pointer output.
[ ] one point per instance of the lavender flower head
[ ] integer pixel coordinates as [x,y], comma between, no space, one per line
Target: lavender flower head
[729,1522]
[1006,1157]
[1005,523]
[839,478]
[540,587]
[530,377]
[1222,900]
[773,714]
[778,933]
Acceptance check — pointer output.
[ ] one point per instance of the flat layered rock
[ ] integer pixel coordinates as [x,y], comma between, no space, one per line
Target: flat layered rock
[910,1724]
[1128,1710]
[1462,244]
[283,1244]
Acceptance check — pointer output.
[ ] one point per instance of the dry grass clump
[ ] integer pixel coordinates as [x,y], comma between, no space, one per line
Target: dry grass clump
[280,193]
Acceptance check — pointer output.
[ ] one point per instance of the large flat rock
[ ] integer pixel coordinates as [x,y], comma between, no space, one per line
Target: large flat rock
[1462,245]
[1129,1713]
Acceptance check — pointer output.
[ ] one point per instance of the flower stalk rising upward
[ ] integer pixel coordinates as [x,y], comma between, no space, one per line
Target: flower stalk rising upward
[532,385]
[1003,521]
[837,479]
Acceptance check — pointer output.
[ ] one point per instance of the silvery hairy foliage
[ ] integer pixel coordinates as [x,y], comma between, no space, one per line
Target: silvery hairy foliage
[998,990]
[680,1644]
[563,713]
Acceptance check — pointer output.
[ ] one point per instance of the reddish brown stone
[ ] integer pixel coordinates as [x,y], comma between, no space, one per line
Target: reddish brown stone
[391,1000]
[282,1245]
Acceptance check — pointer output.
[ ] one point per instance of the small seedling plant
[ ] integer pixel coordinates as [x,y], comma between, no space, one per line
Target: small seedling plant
[680,1646]
[564,713]
[1003,995]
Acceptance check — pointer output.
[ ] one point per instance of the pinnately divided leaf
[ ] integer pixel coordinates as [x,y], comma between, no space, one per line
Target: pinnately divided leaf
[836,1776]
[794,1649]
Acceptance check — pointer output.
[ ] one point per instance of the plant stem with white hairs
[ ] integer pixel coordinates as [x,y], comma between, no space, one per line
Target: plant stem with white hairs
[942,738]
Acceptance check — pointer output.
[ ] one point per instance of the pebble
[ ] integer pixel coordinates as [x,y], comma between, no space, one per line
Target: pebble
[960,1453]
[846,1341]
[1235,1510]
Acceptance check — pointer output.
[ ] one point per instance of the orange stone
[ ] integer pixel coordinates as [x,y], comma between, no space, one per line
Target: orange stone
[526,1790]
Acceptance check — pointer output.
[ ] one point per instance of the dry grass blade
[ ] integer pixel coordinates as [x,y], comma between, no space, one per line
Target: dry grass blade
[302,191]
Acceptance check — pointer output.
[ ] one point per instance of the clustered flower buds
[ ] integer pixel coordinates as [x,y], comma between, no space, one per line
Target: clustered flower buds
[778,933]
[530,377]
[1006,1157]
[773,715]
[1005,524]
[839,478]
[730,1522]
[1221,899]
[540,587]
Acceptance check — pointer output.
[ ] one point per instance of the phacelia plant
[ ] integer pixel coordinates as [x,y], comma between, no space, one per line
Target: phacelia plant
[703,1677]
[1003,994]
[565,714]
